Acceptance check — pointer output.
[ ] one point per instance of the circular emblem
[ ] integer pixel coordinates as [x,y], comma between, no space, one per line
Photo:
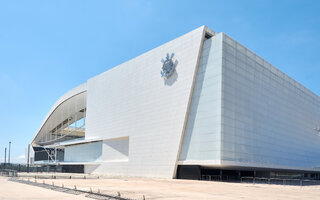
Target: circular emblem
[168,66]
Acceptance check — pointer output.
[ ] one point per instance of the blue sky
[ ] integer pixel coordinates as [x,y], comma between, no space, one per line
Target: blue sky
[50,47]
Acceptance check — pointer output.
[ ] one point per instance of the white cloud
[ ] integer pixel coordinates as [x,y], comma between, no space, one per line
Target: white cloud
[21,157]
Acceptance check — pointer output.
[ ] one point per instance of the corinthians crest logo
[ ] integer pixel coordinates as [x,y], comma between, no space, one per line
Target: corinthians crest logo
[168,66]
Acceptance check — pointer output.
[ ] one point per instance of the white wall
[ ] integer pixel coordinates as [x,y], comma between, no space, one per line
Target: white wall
[132,100]
[201,144]
[268,118]
[89,152]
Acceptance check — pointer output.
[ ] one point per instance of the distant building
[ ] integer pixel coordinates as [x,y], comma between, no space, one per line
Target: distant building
[31,156]
[200,104]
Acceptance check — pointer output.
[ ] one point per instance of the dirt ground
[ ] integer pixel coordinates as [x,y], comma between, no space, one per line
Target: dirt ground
[136,188]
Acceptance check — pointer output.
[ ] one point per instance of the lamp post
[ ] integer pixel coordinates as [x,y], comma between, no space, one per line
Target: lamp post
[28,162]
[5,155]
[9,153]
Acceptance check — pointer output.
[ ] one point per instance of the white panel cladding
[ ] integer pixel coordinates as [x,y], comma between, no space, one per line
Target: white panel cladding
[133,100]
[50,121]
[202,138]
[67,109]
[89,152]
[268,118]
[116,149]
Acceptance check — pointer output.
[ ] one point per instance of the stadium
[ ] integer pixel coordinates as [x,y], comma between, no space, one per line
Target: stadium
[201,104]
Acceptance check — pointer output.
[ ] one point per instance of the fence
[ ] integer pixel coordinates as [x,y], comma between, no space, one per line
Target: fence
[228,178]
[257,180]
[26,168]
[8,172]
[279,181]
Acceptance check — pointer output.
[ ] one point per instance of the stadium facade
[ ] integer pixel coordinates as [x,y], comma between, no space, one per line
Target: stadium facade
[199,104]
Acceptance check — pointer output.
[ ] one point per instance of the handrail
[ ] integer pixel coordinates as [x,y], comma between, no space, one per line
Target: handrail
[282,181]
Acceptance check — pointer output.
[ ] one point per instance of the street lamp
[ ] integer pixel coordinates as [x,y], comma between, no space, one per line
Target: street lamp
[5,155]
[9,153]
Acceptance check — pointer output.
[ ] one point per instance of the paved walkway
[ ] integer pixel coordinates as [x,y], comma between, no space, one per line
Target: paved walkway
[193,190]
[161,189]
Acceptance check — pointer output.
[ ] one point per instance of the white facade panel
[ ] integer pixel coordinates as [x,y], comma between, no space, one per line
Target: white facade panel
[132,100]
[224,106]
[90,152]
[268,119]
[202,138]
[69,103]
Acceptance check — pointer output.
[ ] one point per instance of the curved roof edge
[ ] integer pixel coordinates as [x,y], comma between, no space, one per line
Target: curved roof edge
[77,90]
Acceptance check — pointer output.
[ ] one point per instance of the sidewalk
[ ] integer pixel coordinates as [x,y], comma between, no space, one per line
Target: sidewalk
[162,189]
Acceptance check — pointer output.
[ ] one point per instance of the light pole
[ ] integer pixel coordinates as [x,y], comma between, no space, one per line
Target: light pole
[9,153]
[5,155]
[28,162]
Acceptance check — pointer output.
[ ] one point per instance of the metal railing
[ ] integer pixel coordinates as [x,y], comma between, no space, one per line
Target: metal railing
[31,168]
[258,180]
[228,178]
[8,172]
[279,181]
